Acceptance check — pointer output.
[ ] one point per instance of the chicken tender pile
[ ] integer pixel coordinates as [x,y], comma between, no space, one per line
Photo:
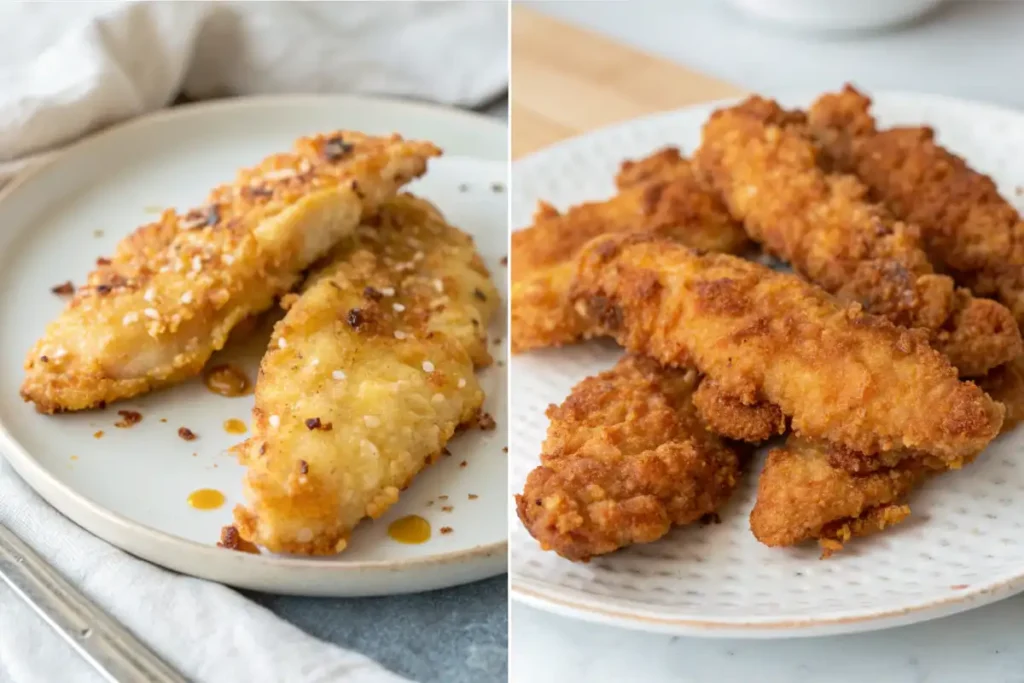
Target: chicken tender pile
[896,242]
[154,313]
[658,194]
[366,378]
[626,458]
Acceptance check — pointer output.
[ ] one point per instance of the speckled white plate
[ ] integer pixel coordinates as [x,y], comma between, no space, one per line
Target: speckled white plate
[130,487]
[962,547]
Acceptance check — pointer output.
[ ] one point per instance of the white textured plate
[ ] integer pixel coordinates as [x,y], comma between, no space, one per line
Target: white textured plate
[130,486]
[962,547]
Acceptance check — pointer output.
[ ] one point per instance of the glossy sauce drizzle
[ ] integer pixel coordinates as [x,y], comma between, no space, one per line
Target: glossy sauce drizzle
[410,529]
[206,499]
[227,380]
[234,426]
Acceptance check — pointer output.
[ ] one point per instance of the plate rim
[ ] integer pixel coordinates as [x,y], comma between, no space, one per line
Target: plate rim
[91,515]
[549,600]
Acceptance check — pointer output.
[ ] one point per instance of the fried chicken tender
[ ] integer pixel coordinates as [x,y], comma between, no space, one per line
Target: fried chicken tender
[761,336]
[764,162]
[968,228]
[169,297]
[367,377]
[659,194]
[625,459]
[1006,385]
[801,495]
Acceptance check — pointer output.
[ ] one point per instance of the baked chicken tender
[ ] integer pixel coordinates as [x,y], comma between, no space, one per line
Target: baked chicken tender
[762,336]
[625,459]
[969,229]
[658,194]
[802,496]
[366,378]
[764,162]
[153,314]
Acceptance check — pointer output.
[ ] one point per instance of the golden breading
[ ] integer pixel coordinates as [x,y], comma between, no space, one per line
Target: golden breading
[728,416]
[802,496]
[658,194]
[968,228]
[841,375]
[625,459]
[1006,385]
[366,378]
[764,162]
[154,313]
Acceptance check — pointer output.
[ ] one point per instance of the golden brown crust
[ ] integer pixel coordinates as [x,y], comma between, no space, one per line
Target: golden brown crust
[1006,385]
[625,459]
[365,380]
[659,194]
[969,229]
[841,375]
[169,297]
[730,417]
[802,496]
[764,162]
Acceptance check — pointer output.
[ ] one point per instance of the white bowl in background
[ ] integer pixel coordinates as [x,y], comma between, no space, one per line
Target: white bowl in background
[837,15]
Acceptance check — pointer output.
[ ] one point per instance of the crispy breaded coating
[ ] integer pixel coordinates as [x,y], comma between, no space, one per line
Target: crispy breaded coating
[625,459]
[764,162]
[728,416]
[802,496]
[968,228]
[1006,385]
[658,194]
[169,297]
[366,378]
[839,374]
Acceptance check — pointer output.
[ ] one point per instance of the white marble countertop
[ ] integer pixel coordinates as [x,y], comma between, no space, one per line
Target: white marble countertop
[969,49]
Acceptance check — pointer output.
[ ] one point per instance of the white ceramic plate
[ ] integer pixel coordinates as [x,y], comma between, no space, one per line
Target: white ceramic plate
[963,546]
[130,487]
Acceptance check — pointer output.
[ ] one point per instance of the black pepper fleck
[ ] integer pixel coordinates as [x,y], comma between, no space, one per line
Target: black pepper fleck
[372,294]
[355,318]
[336,148]
[315,423]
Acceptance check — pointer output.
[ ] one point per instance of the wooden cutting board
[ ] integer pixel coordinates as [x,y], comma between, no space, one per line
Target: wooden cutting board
[566,80]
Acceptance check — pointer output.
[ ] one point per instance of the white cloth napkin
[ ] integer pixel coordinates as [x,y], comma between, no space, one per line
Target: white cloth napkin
[67,69]
[206,631]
